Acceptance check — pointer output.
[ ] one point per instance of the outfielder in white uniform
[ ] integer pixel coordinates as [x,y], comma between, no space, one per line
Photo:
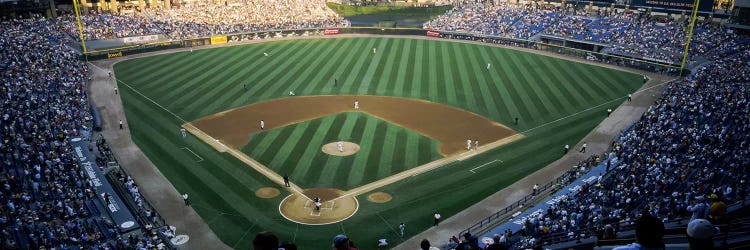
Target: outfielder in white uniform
[488,66]
[374,50]
[184,132]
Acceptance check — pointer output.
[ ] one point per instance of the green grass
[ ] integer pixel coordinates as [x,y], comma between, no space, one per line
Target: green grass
[387,149]
[557,101]
[349,10]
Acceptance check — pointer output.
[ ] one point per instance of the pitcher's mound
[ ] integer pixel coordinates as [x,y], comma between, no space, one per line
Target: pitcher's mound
[334,208]
[350,148]
[267,192]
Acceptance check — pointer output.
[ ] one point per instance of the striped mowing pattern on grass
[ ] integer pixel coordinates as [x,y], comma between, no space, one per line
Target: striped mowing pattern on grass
[386,149]
[536,89]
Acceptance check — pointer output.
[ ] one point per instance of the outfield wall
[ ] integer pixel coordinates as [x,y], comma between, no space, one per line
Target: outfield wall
[582,49]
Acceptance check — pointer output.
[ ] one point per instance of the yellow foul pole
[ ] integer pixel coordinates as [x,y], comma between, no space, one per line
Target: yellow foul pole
[693,17]
[80,26]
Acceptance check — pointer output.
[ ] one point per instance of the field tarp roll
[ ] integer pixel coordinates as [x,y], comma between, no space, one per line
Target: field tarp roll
[96,119]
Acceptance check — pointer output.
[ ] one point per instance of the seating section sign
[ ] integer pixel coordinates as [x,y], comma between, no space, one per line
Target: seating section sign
[516,223]
[115,207]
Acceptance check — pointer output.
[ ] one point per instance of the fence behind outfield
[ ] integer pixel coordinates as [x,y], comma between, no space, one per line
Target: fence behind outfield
[576,48]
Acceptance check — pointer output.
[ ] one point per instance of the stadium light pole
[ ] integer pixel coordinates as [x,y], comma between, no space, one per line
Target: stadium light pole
[693,16]
[80,29]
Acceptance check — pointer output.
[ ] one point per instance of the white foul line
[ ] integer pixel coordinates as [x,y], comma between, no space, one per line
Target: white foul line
[196,155]
[144,96]
[493,161]
[588,109]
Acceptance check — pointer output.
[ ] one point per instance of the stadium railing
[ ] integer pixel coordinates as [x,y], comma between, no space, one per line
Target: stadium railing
[159,224]
[505,213]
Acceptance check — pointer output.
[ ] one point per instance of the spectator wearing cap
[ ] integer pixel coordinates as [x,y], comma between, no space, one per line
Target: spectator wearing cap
[469,242]
[425,245]
[700,234]
[265,241]
[341,242]
[718,210]
[699,209]
[649,234]
[496,244]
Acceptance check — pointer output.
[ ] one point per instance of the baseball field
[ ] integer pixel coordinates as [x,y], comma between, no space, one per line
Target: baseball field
[405,154]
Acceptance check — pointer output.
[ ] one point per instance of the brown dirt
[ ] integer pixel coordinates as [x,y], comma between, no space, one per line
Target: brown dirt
[379,197]
[301,209]
[267,192]
[350,148]
[448,125]
[228,130]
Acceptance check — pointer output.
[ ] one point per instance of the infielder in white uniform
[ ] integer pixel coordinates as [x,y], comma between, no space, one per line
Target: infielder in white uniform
[468,144]
[340,145]
[262,124]
[356,104]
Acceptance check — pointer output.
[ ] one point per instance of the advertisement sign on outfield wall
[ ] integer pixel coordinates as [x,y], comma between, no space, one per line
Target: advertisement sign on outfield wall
[218,40]
[433,33]
[141,39]
[114,54]
[331,32]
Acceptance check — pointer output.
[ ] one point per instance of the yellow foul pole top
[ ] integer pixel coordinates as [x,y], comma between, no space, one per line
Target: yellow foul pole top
[693,16]
[80,26]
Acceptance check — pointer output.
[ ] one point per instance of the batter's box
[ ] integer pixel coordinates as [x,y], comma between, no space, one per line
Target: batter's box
[324,205]
[327,205]
[452,146]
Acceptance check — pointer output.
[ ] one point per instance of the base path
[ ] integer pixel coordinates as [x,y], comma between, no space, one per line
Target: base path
[227,131]
[445,124]
[165,198]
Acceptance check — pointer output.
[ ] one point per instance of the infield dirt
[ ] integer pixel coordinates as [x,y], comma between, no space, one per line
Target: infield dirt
[451,127]
[229,130]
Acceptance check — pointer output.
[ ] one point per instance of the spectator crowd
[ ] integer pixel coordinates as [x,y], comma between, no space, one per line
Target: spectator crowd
[626,32]
[204,18]
[686,155]
[48,202]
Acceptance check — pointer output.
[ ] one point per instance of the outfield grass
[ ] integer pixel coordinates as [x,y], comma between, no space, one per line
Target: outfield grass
[557,102]
[386,149]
